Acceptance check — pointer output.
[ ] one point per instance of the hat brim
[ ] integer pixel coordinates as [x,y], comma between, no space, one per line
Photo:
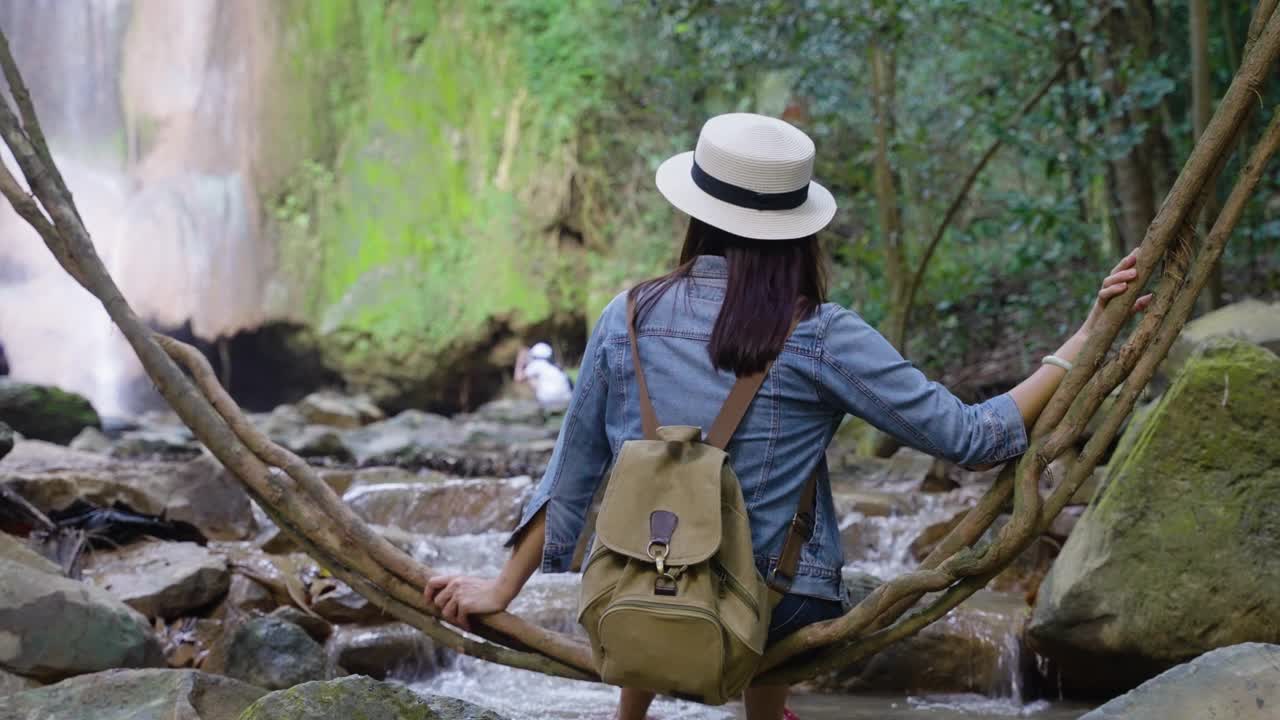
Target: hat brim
[675,182]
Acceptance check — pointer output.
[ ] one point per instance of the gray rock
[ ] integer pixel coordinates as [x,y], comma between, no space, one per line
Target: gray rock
[318,628]
[269,653]
[1175,556]
[441,507]
[360,697]
[972,650]
[92,440]
[511,411]
[410,432]
[317,441]
[382,651]
[134,695]
[200,492]
[15,549]
[907,471]
[52,627]
[160,579]
[248,595]
[10,683]
[164,443]
[339,411]
[1240,682]
[41,412]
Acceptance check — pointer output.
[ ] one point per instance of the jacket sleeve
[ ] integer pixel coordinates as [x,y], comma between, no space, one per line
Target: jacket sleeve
[578,463]
[862,374]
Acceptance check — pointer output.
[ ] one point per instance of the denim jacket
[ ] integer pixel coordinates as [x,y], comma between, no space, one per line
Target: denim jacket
[834,363]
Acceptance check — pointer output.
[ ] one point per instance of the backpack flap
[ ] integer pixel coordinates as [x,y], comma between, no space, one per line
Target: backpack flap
[664,492]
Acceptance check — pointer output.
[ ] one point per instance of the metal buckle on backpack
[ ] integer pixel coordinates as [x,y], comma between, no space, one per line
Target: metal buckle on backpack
[659,556]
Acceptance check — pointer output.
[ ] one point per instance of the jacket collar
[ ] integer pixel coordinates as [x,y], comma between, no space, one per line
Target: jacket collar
[710,266]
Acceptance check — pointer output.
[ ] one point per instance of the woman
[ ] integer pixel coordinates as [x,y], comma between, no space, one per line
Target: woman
[751,265]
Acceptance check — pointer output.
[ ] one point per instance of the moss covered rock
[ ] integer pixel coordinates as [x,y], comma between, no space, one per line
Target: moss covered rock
[41,412]
[134,695]
[360,698]
[1176,555]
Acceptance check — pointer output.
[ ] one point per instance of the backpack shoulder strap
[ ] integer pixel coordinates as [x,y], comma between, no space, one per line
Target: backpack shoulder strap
[735,408]
[648,418]
[800,532]
[739,401]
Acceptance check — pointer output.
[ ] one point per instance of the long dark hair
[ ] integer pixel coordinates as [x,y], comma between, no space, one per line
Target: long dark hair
[771,282]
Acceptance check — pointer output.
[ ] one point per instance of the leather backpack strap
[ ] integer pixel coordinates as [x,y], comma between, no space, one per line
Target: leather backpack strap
[735,408]
[739,401]
[800,532]
[648,418]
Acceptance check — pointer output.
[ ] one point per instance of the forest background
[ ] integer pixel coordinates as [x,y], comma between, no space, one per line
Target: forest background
[475,171]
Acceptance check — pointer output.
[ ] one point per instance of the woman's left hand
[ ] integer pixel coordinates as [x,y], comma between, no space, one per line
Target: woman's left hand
[1114,285]
[460,596]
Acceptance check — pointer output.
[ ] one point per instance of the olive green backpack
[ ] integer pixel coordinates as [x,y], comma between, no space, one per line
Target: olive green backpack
[671,598]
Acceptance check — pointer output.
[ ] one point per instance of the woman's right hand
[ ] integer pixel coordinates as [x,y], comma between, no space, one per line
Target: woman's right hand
[460,596]
[1114,285]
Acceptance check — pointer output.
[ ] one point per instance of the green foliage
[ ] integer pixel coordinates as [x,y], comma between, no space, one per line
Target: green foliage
[398,226]
[437,122]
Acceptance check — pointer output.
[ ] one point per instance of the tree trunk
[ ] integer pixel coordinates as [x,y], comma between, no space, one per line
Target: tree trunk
[1201,111]
[888,200]
[1128,38]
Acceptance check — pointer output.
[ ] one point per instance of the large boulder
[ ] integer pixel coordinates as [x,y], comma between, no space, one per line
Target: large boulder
[434,506]
[1250,320]
[160,579]
[1176,554]
[45,413]
[360,697]
[134,695]
[200,492]
[380,651]
[977,648]
[270,653]
[1241,682]
[52,627]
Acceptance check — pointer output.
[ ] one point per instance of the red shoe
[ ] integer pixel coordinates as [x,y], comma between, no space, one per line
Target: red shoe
[788,715]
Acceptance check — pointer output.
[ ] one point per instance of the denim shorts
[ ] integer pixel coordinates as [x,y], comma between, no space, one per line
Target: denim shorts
[796,611]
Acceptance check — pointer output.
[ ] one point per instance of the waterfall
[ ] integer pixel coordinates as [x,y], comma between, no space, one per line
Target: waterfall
[152,109]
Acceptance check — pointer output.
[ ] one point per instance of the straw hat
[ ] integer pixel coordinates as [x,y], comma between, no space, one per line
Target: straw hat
[750,175]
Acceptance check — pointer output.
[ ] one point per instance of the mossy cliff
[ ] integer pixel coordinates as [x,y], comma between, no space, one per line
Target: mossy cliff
[1176,555]
[424,225]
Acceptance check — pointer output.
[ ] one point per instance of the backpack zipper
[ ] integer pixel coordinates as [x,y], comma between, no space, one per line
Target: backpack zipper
[728,580]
